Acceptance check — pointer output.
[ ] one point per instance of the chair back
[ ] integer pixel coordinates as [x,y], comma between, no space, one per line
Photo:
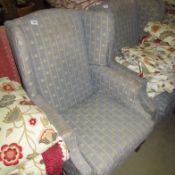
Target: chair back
[51,54]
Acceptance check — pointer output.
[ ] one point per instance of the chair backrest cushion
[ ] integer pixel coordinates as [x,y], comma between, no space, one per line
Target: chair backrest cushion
[126,23]
[130,17]
[51,53]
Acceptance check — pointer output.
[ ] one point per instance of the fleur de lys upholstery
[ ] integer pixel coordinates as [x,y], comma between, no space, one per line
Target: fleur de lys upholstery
[100,116]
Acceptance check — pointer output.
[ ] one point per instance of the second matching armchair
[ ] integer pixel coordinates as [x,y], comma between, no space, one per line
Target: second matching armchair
[130,18]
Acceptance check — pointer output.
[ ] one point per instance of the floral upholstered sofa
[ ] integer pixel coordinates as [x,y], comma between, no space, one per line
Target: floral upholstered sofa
[29,144]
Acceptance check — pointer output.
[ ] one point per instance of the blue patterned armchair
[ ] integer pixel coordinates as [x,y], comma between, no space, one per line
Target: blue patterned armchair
[62,58]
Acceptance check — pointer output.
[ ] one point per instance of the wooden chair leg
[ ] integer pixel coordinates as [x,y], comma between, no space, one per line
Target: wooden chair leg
[139,147]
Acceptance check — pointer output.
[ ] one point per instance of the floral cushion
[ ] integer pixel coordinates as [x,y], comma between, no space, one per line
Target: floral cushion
[29,167]
[7,63]
[170,19]
[50,162]
[162,31]
[25,131]
[11,91]
[154,60]
[74,4]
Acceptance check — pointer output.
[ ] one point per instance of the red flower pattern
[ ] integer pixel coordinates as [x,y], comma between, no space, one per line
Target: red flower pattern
[8,87]
[157,41]
[10,154]
[155,28]
[32,121]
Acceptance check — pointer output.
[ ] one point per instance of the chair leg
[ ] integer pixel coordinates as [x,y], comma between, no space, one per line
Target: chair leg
[139,147]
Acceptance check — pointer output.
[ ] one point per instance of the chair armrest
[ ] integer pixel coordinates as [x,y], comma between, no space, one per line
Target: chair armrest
[123,88]
[53,116]
[78,163]
[125,71]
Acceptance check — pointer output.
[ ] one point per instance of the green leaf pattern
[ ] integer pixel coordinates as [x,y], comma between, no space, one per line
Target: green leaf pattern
[26,125]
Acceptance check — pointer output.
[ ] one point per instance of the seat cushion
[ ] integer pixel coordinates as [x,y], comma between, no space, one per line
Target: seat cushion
[107,131]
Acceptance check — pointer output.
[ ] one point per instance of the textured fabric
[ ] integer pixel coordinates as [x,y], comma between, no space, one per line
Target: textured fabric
[169,19]
[99,32]
[146,10]
[25,130]
[75,77]
[29,167]
[123,89]
[48,163]
[149,10]
[153,60]
[165,104]
[130,17]
[53,160]
[164,32]
[170,7]
[74,4]
[105,139]
[69,168]
[53,116]
[77,163]
[7,64]
[60,58]
[126,24]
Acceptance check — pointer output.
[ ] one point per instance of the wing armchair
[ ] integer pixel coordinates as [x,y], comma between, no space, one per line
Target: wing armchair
[62,57]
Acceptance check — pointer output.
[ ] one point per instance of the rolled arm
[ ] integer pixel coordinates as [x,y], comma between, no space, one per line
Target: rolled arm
[77,163]
[125,71]
[123,88]
[53,116]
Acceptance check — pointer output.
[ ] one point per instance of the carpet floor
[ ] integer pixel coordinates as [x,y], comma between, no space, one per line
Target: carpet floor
[156,156]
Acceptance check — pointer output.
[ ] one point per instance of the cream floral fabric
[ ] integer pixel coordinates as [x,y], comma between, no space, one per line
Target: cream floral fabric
[164,32]
[35,165]
[25,131]
[170,19]
[154,60]
[31,167]
[74,4]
